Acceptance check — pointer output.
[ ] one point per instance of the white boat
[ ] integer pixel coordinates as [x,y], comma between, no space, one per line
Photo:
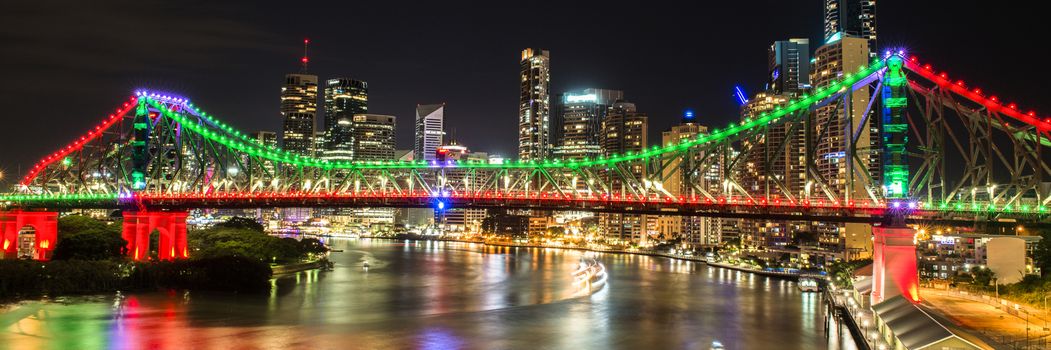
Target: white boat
[807,284]
[716,345]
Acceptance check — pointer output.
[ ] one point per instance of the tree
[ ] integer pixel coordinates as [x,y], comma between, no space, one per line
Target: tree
[222,241]
[238,222]
[982,276]
[556,231]
[73,224]
[84,238]
[1042,254]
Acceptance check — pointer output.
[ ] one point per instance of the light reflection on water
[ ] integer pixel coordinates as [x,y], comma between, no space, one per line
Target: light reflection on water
[435,295]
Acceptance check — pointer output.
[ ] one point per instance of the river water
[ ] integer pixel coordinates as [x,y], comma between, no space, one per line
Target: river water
[446,295]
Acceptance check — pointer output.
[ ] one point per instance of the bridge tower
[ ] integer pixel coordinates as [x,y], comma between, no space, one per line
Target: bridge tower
[894,267]
[138,225]
[45,225]
[172,239]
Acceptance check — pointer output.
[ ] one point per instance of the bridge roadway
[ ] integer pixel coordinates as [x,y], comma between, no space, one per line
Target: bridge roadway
[745,208]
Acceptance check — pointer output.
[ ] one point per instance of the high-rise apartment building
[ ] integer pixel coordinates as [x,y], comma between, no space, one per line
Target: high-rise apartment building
[534,108]
[299,110]
[581,114]
[831,62]
[344,98]
[373,137]
[429,131]
[789,66]
[853,18]
[685,176]
[624,130]
[776,162]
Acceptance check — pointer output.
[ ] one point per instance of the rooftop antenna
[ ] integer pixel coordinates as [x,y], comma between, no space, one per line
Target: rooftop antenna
[305,59]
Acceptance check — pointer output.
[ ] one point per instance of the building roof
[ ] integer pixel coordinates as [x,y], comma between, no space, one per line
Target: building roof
[913,327]
[863,271]
[425,110]
[863,285]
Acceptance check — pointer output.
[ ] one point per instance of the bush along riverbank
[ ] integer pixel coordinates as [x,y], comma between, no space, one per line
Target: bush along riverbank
[27,279]
[236,256]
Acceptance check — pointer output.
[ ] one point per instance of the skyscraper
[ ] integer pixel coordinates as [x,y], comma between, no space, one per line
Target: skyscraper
[373,137]
[582,113]
[299,110]
[344,98]
[789,66]
[831,62]
[624,130]
[853,18]
[429,130]
[680,178]
[372,140]
[775,163]
[534,105]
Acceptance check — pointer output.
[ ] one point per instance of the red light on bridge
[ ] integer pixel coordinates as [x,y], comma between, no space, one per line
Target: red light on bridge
[1012,106]
[914,59]
[927,67]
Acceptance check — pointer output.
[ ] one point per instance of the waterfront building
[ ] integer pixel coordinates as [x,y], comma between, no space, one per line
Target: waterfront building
[625,130]
[680,178]
[831,62]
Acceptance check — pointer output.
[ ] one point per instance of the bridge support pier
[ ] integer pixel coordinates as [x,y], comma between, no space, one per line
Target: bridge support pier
[45,225]
[170,225]
[894,264]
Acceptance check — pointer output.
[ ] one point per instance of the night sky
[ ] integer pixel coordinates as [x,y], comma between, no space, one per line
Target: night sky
[67,64]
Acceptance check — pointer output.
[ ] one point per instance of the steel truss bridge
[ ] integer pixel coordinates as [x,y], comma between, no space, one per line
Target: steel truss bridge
[944,152]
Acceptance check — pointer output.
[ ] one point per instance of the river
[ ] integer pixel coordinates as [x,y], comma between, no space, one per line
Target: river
[447,295]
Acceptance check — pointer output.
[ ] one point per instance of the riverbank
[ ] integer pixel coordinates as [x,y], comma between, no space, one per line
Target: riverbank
[735,267]
[26,280]
[299,267]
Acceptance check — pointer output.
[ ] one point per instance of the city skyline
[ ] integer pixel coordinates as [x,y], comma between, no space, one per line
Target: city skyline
[204,78]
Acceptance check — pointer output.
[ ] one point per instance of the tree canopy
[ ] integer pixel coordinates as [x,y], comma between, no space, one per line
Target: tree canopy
[85,238]
[245,238]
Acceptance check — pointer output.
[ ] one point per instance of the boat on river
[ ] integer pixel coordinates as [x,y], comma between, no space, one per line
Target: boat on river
[807,284]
